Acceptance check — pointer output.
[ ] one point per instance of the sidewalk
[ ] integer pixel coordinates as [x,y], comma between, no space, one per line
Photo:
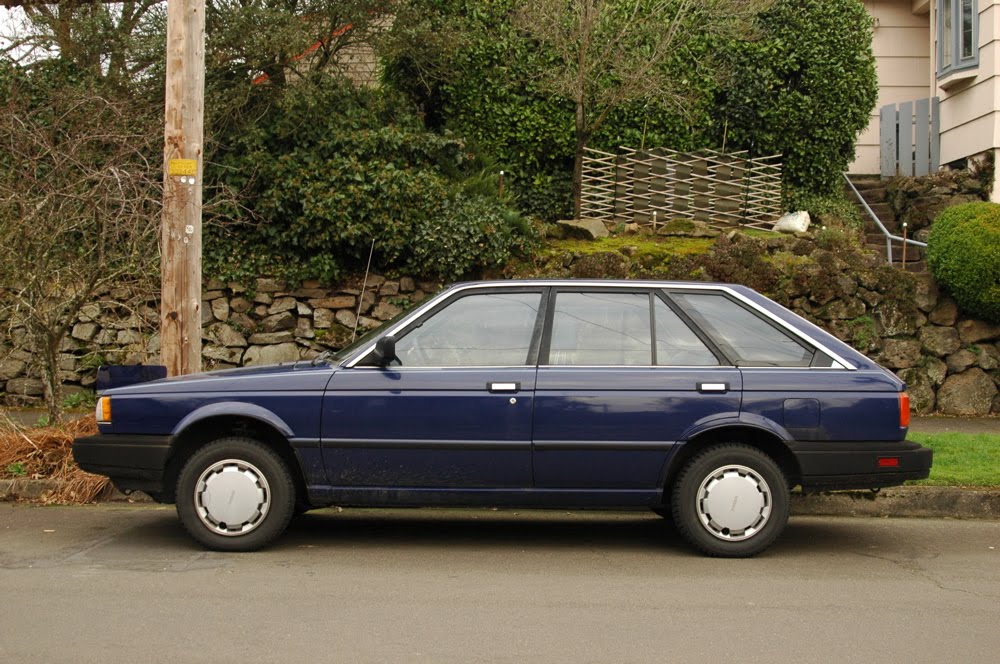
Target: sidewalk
[948,424]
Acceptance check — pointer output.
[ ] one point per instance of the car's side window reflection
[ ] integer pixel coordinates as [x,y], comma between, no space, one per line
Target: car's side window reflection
[610,329]
[676,344]
[749,339]
[492,329]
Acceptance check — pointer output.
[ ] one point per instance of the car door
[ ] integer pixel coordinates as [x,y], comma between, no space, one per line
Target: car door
[621,378]
[453,411]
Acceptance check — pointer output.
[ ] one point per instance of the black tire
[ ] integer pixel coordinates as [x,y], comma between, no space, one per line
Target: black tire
[718,478]
[247,469]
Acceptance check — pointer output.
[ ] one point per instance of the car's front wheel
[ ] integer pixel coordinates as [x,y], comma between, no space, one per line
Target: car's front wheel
[235,494]
[731,501]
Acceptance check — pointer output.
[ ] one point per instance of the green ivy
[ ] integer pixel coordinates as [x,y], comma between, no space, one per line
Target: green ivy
[804,89]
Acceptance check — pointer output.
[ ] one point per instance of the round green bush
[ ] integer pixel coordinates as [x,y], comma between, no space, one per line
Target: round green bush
[963,252]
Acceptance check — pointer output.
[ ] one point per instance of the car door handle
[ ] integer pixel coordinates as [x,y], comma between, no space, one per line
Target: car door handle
[504,387]
[713,387]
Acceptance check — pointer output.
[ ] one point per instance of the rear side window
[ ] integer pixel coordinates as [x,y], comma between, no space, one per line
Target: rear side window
[601,329]
[676,344]
[749,339]
[622,329]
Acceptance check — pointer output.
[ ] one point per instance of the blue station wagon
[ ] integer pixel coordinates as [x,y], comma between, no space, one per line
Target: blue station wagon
[707,403]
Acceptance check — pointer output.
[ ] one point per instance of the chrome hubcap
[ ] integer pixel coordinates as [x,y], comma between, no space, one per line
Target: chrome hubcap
[733,503]
[232,497]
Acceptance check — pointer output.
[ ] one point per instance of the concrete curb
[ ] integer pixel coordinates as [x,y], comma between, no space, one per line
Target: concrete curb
[906,501]
[25,489]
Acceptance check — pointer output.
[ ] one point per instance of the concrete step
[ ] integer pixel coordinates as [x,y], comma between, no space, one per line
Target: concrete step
[882,211]
[912,253]
[873,194]
[862,182]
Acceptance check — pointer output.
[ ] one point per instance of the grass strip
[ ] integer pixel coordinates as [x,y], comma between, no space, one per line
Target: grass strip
[961,459]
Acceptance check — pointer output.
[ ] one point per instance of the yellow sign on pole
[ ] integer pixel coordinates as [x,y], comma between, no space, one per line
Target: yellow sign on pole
[182,167]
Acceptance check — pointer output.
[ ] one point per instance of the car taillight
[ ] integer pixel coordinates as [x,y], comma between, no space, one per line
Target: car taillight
[904,410]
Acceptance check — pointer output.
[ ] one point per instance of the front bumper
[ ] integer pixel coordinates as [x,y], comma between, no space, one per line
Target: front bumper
[855,465]
[131,461]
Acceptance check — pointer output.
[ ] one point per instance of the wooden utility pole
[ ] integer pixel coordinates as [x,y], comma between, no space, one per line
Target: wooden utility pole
[180,303]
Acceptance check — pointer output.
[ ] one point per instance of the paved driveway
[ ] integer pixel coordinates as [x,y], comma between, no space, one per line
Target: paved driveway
[118,583]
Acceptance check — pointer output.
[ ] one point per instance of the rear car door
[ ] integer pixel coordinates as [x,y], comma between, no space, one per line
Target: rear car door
[622,378]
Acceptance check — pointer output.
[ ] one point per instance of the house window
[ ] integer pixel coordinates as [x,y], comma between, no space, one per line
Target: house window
[958,31]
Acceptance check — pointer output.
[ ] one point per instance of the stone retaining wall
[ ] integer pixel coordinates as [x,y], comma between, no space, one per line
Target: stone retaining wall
[950,362]
[264,324]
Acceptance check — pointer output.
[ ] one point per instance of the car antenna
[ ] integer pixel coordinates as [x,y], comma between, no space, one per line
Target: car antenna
[361,298]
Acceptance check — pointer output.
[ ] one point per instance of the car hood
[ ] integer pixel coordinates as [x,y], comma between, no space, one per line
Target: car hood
[287,376]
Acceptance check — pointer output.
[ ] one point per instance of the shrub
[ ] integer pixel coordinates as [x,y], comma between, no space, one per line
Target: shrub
[323,171]
[805,89]
[485,86]
[963,252]
[468,234]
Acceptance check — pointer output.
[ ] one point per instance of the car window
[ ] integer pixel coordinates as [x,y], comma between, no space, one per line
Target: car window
[601,329]
[676,344]
[749,339]
[487,329]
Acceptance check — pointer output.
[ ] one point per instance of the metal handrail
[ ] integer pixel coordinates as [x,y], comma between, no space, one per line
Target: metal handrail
[889,237]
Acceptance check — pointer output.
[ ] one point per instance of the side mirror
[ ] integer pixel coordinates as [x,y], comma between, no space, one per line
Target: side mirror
[385,350]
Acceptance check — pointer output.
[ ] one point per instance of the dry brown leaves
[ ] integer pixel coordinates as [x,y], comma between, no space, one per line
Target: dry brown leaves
[46,453]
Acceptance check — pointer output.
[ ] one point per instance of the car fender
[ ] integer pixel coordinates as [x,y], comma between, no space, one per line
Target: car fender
[722,420]
[230,409]
[719,422]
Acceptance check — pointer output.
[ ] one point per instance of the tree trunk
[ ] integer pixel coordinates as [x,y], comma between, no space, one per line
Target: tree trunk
[50,376]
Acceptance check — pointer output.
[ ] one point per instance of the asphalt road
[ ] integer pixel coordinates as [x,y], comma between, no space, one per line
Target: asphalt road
[118,583]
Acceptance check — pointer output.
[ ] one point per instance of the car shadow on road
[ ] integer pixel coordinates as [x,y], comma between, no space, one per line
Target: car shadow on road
[449,528]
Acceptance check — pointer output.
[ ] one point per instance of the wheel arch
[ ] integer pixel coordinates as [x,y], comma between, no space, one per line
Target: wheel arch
[763,439]
[199,433]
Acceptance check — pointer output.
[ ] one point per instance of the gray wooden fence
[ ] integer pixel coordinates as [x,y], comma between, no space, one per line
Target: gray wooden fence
[651,187]
[909,138]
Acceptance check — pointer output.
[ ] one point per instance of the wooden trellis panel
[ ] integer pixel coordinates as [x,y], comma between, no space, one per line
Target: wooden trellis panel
[651,187]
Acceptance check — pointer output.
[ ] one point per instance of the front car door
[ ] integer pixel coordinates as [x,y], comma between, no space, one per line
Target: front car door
[453,412]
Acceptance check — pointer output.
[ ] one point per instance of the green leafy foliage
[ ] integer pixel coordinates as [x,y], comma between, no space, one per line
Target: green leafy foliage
[328,168]
[963,252]
[485,85]
[804,89]
[467,234]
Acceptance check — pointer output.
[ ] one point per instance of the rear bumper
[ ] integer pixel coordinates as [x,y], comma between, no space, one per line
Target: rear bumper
[131,461]
[856,465]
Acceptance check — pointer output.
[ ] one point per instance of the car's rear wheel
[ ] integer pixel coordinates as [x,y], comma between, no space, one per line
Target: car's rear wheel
[731,501]
[235,494]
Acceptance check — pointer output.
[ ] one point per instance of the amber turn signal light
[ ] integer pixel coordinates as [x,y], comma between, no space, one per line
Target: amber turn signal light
[103,410]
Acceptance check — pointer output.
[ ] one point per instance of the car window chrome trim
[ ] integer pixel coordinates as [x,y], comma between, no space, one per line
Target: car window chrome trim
[700,367]
[839,363]
[414,367]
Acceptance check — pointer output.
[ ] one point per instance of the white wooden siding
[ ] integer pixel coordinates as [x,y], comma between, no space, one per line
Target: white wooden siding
[902,59]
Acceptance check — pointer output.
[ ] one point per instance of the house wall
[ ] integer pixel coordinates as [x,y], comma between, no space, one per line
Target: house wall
[970,100]
[903,62]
